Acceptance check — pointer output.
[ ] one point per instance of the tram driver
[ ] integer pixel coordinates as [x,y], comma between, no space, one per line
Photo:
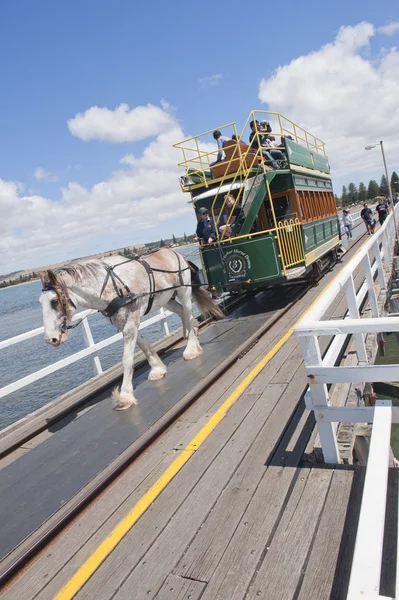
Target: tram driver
[205,228]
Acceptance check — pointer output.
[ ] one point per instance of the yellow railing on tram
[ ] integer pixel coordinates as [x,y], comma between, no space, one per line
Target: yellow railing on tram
[290,241]
[199,152]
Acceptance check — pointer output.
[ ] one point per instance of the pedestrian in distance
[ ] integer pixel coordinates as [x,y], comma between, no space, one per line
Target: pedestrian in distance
[367,216]
[382,210]
[348,223]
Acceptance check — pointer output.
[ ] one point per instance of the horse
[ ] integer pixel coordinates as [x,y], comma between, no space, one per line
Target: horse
[162,279]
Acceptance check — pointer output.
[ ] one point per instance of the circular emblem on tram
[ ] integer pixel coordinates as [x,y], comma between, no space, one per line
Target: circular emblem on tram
[237,264]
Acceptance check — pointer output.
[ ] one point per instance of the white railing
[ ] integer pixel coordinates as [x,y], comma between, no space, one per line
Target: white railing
[91,349]
[375,258]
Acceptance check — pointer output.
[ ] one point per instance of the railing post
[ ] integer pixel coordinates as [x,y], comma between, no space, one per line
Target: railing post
[366,565]
[319,394]
[90,342]
[164,321]
[370,286]
[387,252]
[381,274]
[354,314]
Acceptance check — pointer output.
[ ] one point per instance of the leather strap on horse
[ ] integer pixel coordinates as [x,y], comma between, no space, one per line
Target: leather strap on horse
[151,278]
[122,300]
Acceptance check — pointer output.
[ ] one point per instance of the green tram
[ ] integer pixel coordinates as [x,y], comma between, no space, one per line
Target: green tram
[289,227]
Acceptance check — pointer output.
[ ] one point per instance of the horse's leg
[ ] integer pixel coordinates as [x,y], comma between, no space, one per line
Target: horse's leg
[177,308]
[158,369]
[125,397]
[193,348]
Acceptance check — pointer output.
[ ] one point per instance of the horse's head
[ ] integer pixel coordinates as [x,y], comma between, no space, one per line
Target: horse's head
[57,308]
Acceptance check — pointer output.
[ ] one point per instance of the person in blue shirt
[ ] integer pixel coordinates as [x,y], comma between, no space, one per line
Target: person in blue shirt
[220,140]
[205,228]
[367,216]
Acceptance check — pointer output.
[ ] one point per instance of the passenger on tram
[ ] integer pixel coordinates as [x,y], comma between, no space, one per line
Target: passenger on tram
[220,140]
[234,218]
[271,155]
[205,229]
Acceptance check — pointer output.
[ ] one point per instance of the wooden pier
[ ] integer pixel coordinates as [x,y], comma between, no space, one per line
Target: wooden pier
[227,504]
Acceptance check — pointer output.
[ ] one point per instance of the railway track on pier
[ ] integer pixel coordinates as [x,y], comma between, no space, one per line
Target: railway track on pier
[224,343]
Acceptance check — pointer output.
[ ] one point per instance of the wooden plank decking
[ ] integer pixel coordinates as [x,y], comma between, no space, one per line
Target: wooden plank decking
[248,516]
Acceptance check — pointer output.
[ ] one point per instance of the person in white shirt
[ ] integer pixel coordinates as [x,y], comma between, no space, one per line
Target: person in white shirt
[348,222]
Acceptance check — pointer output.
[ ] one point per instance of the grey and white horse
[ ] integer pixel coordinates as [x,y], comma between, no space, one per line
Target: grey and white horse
[163,279]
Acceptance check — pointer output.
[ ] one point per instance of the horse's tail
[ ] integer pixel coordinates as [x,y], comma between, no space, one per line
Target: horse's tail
[203,299]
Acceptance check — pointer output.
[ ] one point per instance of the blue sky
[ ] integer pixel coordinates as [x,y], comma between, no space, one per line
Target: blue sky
[62,58]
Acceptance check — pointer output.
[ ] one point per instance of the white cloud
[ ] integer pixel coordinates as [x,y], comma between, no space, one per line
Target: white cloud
[389,29]
[121,124]
[141,196]
[211,81]
[43,175]
[344,96]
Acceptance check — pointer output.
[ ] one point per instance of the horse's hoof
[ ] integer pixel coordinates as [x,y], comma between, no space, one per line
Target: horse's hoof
[123,401]
[157,373]
[125,406]
[190,354]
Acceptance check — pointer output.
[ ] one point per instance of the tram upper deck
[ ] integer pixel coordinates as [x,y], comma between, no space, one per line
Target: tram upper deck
[281,183]
[304,152]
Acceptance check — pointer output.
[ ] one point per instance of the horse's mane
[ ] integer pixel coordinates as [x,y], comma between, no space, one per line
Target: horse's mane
[82,270]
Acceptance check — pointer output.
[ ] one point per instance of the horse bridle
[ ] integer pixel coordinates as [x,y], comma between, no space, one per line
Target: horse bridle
[65,300]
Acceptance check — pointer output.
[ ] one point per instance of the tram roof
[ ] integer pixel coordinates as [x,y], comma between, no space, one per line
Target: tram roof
[228,187]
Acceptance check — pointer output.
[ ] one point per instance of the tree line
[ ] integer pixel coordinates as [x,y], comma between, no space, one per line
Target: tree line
[359,194]
[21,279]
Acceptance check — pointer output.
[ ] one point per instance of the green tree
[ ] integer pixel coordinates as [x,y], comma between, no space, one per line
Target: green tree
[353,194]
[362,193]
[185,238]
[344,196]
[394,183]
[373,190]
[337,200]
[162,244]
[174,240]
[384,190]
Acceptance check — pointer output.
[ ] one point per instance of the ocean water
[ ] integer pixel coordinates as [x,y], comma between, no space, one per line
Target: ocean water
[20,311]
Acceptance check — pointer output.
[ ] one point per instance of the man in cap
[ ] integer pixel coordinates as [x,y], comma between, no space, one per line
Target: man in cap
[205,228]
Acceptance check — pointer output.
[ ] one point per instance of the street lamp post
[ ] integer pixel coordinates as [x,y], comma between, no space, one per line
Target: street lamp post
[389,185]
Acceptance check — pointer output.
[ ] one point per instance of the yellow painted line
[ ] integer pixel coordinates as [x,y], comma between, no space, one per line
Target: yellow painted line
[107,546]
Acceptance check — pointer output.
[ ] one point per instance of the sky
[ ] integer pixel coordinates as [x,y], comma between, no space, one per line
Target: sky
[95,93]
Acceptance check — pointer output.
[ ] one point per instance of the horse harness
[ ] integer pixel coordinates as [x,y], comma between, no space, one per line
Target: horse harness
[123,299]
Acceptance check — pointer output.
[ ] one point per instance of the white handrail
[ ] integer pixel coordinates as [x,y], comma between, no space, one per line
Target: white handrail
[375,259]
[91,349]
[322,371]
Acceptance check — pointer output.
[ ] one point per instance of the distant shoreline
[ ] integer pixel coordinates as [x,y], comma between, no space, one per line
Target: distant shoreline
[18,284]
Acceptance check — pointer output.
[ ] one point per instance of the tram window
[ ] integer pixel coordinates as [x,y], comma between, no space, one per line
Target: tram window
[282,207]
